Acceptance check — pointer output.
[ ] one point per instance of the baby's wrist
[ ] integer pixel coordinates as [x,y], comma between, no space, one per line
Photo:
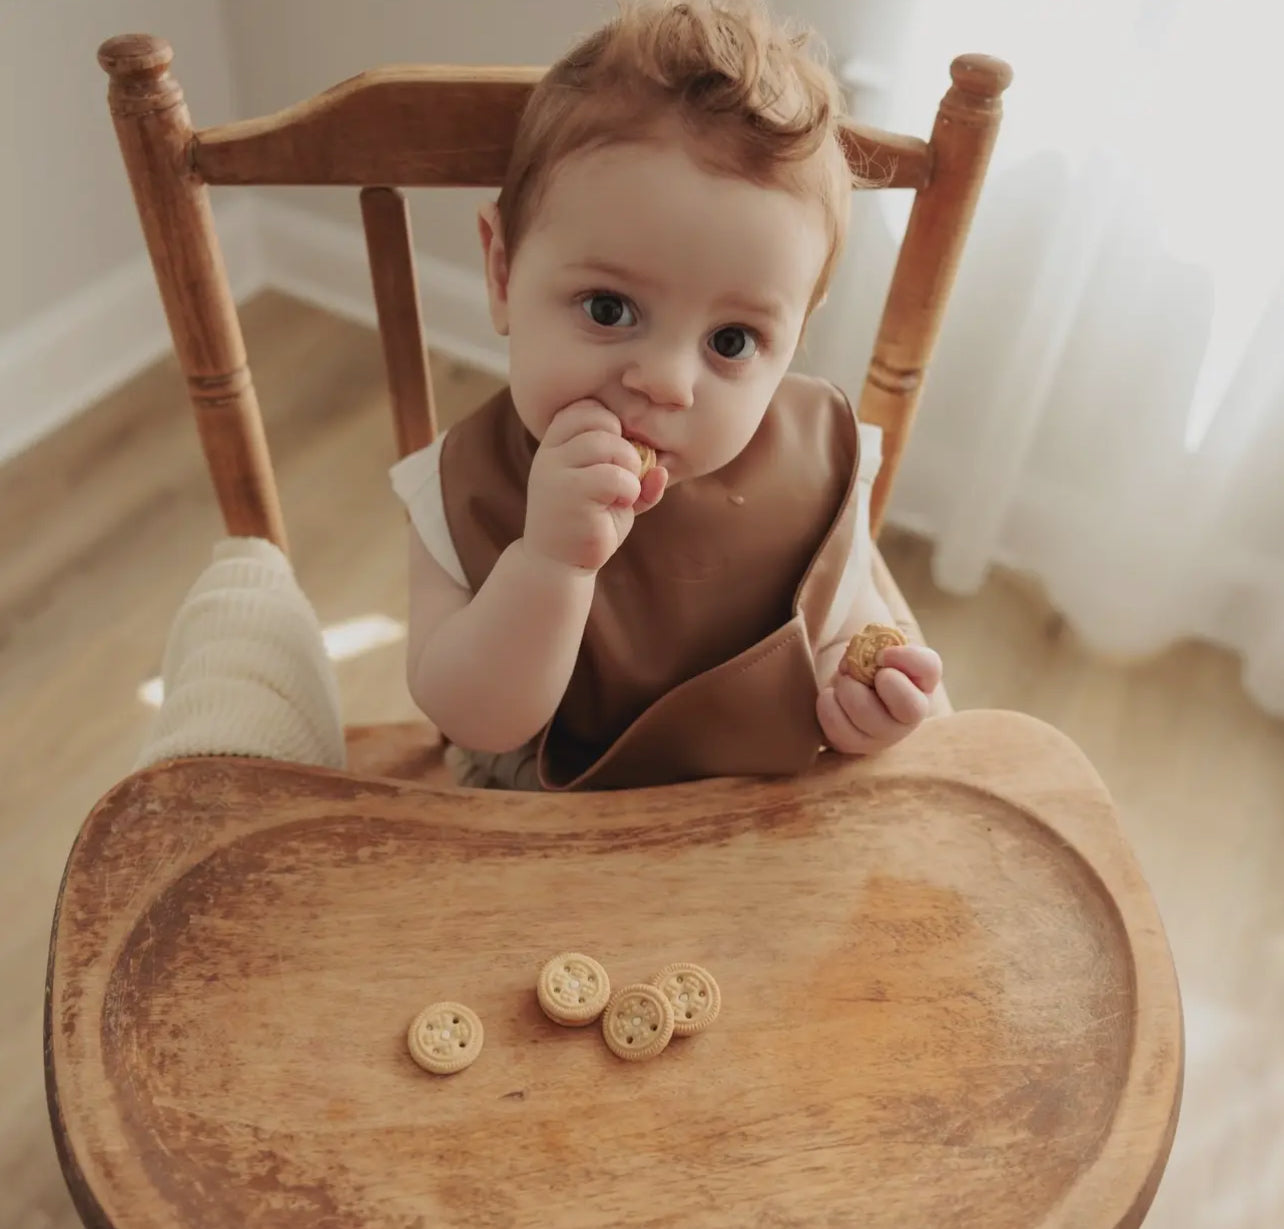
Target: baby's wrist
[549,567]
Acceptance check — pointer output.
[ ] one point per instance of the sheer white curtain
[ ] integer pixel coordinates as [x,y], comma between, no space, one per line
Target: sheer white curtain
[1106,405]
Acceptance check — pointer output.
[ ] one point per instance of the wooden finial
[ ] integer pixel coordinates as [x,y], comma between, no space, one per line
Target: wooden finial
[129,55]
[138,65]
[984,76]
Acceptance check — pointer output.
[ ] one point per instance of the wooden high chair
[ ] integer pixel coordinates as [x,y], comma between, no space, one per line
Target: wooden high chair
[948,998]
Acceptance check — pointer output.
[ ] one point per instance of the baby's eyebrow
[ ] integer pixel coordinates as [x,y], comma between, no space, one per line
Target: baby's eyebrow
[608,268]
[772,309]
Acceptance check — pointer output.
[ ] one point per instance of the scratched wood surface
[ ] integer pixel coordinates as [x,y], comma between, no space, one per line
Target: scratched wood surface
[948,1000]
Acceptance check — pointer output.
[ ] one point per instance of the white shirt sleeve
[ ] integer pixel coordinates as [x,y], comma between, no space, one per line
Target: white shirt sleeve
[417,481]
[856,573]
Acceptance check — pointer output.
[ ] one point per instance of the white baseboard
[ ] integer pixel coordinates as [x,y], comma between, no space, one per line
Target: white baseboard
[78,351]
[75,353]
[325,263]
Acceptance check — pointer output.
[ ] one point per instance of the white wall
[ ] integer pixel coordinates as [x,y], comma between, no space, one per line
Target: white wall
[69,234]
[66,216]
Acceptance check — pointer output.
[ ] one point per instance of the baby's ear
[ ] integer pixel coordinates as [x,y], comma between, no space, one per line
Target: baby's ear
[495,257]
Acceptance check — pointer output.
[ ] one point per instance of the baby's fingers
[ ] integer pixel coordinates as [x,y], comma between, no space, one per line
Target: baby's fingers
[922,665]
[609,485]
[578,417]
[595,447]
[837,728]
[865,710]
[902,699]
[653,487]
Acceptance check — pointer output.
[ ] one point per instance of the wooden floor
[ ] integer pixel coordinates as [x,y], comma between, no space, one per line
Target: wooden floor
[104,526]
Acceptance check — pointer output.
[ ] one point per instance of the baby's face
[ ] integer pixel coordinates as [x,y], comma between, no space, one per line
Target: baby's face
[673,296]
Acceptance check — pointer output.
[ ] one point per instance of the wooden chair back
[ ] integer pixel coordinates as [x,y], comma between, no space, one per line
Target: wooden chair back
[415,126]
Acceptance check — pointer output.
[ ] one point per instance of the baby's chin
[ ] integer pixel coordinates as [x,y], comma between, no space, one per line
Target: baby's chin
[674,470]
[684,468]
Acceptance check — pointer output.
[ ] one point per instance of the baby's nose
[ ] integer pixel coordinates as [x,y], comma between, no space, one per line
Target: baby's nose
[664,376]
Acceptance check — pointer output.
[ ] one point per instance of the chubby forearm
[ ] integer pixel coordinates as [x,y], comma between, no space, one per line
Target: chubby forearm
[491,674]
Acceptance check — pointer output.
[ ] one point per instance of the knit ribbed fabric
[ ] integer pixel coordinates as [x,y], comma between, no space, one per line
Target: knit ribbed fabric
[245,670]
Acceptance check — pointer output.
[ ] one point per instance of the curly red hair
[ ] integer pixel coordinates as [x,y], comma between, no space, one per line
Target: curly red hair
[753,95]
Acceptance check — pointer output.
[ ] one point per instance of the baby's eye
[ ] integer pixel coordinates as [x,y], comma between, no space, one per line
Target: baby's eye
[608,310]
[734,342]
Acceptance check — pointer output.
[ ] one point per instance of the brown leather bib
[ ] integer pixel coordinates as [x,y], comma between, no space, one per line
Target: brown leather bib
[697,657]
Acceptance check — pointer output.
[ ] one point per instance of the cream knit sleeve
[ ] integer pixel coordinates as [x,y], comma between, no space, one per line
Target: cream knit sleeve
[245,670]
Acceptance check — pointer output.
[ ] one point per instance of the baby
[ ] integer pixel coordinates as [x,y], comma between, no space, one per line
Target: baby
[675,203]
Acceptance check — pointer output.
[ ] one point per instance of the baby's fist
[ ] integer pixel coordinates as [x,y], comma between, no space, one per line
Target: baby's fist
[859,720]
[585,488]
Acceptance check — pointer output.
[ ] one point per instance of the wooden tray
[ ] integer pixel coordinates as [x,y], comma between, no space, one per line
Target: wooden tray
[948,999]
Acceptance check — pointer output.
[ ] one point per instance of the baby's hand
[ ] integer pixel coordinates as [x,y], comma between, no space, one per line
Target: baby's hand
[584,490]
[860,720]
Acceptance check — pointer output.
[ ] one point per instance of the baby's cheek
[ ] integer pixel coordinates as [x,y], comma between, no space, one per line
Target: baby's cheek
[725,431]
[542,386]
[538,399]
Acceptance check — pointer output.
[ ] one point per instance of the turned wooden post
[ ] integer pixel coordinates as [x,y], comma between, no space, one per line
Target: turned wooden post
[155,135]
[963,136]
[396,295]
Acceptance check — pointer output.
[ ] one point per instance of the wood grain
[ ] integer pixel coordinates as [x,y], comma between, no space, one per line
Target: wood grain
[967,125]
[155,132]
[947,999]
[396,293]
[406,125]
[422,125]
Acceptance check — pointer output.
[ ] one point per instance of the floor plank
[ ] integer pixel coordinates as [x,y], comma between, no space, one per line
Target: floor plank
[104,525]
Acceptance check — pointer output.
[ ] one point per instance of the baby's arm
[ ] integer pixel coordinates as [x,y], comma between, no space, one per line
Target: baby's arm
[490,670]
[858,719]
